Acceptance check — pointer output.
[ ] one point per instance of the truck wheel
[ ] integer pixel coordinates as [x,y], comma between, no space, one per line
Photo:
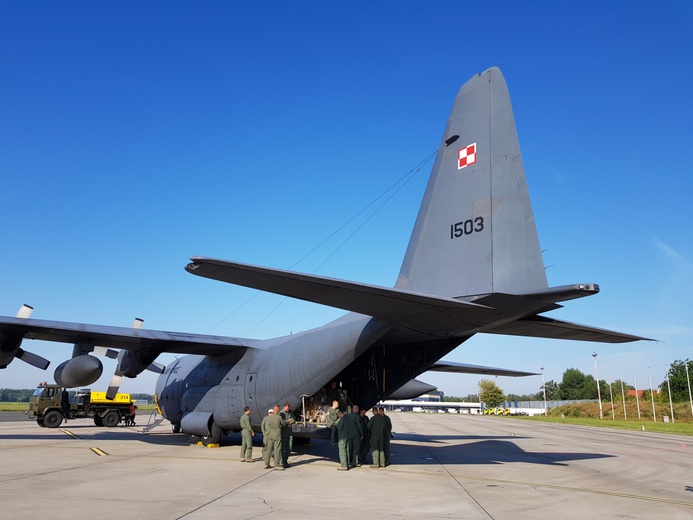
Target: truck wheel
[40,423]
[53,419]
[98,422]
[111,419]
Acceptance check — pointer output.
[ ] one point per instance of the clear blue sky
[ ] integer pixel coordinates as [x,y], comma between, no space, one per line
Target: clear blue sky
[135,135]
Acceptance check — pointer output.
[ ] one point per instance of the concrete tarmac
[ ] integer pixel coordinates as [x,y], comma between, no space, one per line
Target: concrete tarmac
[443,466]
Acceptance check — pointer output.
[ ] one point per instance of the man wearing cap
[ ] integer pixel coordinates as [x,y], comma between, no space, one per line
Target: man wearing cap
[276,423]
[264,427]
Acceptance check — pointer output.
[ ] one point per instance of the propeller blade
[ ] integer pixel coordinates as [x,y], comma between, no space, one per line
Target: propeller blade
[115,354]
[114,386]
[32,359]
[25,311]
[116,379]
[118,375]
[106,352]
[157,368]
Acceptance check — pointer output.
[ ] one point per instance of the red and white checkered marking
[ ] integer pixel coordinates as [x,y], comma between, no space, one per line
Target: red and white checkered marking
[466,156]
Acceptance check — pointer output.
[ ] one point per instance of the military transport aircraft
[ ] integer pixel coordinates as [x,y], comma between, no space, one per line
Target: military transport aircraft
[473,265]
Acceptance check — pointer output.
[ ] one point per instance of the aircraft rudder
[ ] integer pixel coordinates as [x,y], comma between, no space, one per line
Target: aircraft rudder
[475,231]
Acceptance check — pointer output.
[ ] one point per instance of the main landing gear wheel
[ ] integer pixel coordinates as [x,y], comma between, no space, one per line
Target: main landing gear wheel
[214,437]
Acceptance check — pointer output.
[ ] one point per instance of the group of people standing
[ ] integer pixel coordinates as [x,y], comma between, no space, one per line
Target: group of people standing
[277,440]
[356,435]
[354,432]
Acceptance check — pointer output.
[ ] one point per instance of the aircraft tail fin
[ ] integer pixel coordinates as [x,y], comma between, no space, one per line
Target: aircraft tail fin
[475,233]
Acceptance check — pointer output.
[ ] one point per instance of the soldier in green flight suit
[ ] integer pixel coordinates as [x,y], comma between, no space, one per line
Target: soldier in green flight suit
[350,430]
[287,438]
[246,436]
[341,426]
[387,435]
[377,428]
[266,446]
[366,440]
[332,420]
[354,436]
[276,423]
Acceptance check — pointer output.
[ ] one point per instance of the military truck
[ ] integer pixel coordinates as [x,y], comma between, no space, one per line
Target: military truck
[52,404]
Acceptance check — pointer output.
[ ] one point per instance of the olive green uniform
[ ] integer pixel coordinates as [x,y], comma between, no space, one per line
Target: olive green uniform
[352,431]
[341,426]
[331,421]
[366,441]
[276,423]
[287,438]
[377,426]
[266,451]
[387,435]
[246,438]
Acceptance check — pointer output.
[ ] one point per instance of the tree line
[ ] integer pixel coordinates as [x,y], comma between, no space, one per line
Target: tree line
[576,386]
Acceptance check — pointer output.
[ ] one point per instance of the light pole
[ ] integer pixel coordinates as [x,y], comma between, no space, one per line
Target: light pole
[671,403]
[623,398]
[649,375]
[688,379]
[599,391]
[637,399]
[543,386]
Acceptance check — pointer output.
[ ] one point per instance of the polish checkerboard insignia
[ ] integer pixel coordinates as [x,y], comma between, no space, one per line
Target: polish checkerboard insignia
[466,156]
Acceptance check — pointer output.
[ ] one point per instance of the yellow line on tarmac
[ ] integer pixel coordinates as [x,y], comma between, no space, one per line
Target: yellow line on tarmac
[68,432]
[99,452]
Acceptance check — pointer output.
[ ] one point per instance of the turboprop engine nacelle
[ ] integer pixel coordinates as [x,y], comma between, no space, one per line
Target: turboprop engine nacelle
[78,371]
[9,347]
[130,363]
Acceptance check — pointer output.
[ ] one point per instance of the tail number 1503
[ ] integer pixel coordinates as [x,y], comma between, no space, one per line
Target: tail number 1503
[467,227]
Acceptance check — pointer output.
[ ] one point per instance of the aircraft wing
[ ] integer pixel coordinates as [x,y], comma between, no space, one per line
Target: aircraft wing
[542,327]
[127,338]
[464,368]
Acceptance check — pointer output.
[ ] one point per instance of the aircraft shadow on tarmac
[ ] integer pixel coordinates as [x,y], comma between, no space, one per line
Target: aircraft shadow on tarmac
[486,450]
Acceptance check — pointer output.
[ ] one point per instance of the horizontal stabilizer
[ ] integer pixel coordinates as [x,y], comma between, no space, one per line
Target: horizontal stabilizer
[464,368]
[371,300]
[411,389]
[542,327]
